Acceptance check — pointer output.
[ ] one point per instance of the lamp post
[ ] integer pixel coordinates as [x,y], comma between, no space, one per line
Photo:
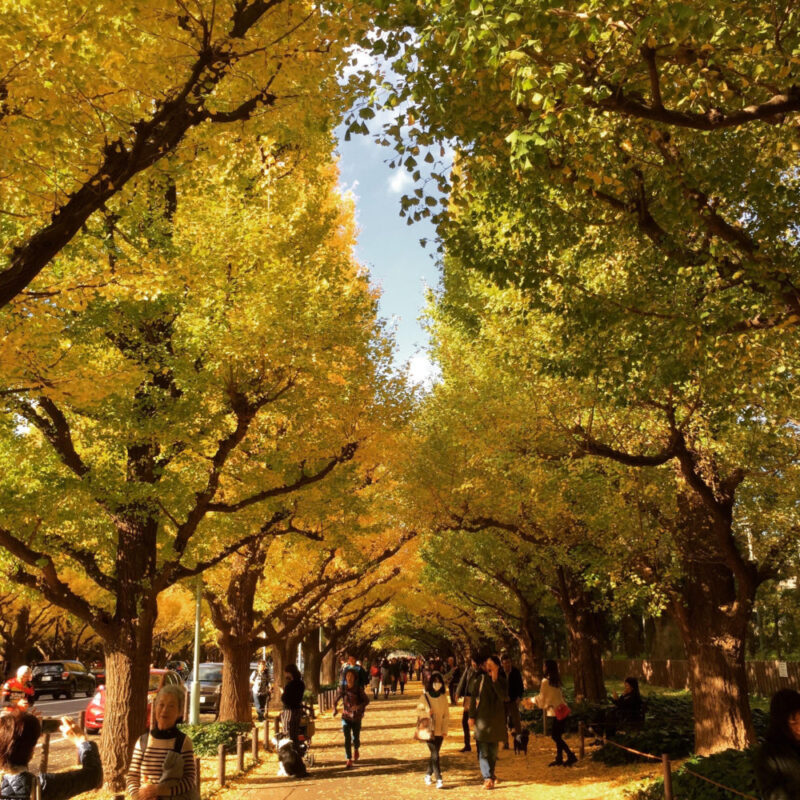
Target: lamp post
[194,712]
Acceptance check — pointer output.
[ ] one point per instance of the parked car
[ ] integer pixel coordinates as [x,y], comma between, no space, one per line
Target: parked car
[99,671]
[62,677]
[95,710]
[210,686]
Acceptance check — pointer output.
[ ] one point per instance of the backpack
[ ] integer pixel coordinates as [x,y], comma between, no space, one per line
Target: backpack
[172,769]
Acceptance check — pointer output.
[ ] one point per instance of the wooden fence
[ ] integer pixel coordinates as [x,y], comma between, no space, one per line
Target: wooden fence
[763,677]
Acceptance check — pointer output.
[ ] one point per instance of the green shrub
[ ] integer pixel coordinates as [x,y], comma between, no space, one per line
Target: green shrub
[208,736]
[733,768]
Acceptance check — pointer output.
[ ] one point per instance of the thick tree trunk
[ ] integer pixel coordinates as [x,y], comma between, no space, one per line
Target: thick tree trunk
[531,650]
[125,718]
[715,640]
[234,704]
[632,635]
[330,674]
[18,643]
[313,660]
[586,634]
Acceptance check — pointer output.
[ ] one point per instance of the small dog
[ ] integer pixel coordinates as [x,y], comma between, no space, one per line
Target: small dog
[290,762]
[521,742]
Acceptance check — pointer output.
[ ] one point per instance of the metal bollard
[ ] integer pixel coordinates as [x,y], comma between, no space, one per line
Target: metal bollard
[254,745]
[582,746]
[45,754]
[221,765]
[667,777]
[240,753]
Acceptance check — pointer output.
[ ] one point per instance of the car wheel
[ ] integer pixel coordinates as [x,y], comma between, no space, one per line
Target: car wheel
[90,691]
[70,693]
[56,695]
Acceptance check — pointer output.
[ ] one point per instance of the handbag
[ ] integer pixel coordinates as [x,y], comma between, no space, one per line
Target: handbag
[424,730]
[562,711]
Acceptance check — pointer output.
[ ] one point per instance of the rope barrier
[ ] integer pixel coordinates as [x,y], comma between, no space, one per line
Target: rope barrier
[718,785]
[684,769]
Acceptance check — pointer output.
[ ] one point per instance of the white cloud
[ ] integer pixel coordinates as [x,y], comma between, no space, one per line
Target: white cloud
[421,370]
[399,181]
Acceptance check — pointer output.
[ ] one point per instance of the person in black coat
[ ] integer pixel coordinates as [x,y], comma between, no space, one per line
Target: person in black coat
[516,691]
[777,761]
[292,699]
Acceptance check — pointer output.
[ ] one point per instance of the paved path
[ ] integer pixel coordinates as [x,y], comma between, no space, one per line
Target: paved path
[392,766]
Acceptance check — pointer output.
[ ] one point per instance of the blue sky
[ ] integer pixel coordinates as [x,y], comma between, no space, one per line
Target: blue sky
[399,266]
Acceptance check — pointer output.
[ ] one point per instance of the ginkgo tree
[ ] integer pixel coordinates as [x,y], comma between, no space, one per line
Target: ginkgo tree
[156,425]
[92,97]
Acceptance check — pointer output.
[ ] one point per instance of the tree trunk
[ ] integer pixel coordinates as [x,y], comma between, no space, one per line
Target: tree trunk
[586,634]
[125,717]
[330,674]
[234,703]
[531,650]
[19,641]
[313,659]
[631,630]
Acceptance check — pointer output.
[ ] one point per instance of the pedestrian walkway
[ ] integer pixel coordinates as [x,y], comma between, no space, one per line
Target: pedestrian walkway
[392,766]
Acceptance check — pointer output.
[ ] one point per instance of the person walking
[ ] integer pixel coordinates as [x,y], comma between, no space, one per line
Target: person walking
[435,704]
[403,675]
[19,733]
[463,693]
[516,690]
[777,761]
[487,716]
[385,678]
[354,703]
[146,778]
[17,692]
[375,679]
[452,677]
[549,699]
[292,699]
[394,672]
[259,680]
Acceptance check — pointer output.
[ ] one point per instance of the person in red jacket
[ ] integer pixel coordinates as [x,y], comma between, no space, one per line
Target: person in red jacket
[18,692]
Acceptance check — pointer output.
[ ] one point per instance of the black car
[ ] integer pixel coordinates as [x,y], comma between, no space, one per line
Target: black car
[210,686]
[62,677]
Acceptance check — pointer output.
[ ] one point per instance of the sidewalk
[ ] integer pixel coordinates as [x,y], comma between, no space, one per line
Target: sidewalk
[392,766]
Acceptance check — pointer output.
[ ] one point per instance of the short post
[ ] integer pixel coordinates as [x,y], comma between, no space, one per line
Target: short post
[221,765]
[254,744]
[266,734]
[667,777]
[197,772]
[544,723]
[45,754]
[187,706]
[82,726]
[240,753]
[582,745]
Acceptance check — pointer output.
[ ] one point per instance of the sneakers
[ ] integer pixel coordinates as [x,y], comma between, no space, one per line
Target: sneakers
[355,754]
[439,784]
[488,784]
[556,764]
[349,764]
[428,780]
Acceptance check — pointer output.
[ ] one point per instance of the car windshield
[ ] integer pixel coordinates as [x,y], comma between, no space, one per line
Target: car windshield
[48,669]
[211,674]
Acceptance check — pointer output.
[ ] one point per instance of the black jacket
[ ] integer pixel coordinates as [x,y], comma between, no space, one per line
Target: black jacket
[58,785]
[778,770]
[516,689]
[293,692]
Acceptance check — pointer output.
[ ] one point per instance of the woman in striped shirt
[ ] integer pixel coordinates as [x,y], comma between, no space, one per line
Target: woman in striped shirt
[153,749]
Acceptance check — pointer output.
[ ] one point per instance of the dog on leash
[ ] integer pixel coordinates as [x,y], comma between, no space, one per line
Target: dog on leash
[521,742]
[290,762]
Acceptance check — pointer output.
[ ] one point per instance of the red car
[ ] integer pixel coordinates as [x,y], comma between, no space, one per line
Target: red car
[96,707]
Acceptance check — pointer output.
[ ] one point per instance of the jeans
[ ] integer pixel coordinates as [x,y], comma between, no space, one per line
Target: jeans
[352,736]
[487,758]
[557,734]
[465,726]
[435,745]
[259,701]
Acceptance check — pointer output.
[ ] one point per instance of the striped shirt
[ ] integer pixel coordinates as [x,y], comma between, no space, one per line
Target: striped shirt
[147,767]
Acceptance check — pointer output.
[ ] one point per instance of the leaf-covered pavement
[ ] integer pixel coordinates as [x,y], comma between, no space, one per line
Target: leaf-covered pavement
[392,765]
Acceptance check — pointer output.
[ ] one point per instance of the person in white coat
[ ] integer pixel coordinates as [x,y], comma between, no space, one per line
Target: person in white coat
[549,699]
[436,704]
